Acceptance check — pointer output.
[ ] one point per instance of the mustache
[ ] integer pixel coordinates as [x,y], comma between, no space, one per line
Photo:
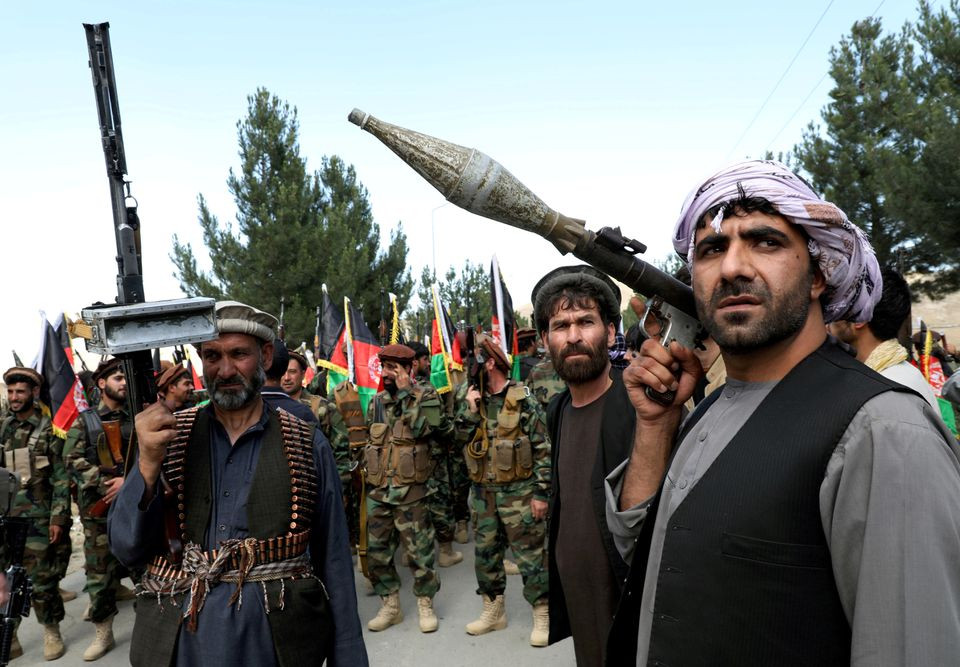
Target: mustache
[738,288]
[233,379]
[576,348]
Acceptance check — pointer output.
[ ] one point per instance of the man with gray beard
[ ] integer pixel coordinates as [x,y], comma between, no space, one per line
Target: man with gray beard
[265,575]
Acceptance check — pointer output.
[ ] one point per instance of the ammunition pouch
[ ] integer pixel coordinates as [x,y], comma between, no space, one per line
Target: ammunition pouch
[348,403]
[93,426]
[394,458]
[510,456]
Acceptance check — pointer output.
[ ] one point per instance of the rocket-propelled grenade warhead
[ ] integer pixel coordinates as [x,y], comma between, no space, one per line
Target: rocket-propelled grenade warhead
[474,181]
[477,183]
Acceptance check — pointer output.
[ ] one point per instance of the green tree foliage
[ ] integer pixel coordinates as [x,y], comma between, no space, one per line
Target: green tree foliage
[887,150]
[466,295]
[294,231]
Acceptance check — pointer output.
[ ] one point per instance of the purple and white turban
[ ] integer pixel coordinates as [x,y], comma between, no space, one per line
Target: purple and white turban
[840,248]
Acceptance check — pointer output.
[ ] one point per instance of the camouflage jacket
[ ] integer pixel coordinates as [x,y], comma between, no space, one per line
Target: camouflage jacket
[35,454]
[81,458]
[332,425]
[533,423]
[427,421]
[544,382]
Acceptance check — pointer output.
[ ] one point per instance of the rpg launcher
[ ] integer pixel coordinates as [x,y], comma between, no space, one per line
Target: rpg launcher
[477,183]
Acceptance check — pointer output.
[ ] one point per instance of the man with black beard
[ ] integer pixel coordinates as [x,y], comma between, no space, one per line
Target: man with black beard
[271,385]
[97,487]
[265,576]
[577,309]
[809,511]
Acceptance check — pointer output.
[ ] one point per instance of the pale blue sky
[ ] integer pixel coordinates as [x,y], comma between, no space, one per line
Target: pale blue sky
[610,111]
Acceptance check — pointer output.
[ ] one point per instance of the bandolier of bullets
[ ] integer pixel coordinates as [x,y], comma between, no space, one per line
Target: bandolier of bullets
[298,449]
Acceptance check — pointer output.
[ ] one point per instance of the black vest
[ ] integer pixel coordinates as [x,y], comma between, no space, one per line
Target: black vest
[155,632]
[745,575]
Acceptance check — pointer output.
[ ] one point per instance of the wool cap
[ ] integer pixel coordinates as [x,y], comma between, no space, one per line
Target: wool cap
[23,372]
[236,317]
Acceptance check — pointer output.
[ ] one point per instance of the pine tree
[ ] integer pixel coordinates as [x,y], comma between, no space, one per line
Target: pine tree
[295,230]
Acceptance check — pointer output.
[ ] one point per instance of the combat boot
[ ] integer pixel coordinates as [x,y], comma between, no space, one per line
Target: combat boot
[53,646]
[67,596]
[428,619]
[493,616]
[15,649]
[447,556]
[510,567]
[389,614]
[541,625]
[102,642]
[124,593]
[460,535]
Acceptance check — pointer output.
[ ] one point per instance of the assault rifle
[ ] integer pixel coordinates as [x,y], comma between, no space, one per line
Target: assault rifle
[132,327]
[477,183]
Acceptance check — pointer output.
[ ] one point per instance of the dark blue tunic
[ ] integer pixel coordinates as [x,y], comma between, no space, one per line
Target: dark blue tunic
[227,634]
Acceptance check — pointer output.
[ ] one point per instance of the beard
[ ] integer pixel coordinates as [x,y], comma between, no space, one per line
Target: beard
[742,332]
[114,395]
[25,406]
[234,399]
[390,385]
[578,371]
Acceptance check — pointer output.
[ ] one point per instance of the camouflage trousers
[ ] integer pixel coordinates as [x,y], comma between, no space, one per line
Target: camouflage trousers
[64,549]
[504,518]
[103,570]
[440,503]
[42,562]
[460,488]
[389,526]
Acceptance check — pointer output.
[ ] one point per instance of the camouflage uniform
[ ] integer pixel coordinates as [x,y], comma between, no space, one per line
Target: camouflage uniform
[503,513]
[330,422]
[35,454]
[103,570]
[401,513]
[456,469]
[544,382]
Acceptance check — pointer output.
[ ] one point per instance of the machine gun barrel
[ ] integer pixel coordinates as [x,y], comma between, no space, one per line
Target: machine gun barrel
[477,183]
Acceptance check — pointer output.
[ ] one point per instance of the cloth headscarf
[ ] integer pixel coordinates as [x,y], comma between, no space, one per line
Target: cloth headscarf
[840,248]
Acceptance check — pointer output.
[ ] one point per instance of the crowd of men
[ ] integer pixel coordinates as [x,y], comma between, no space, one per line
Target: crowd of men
[786,493]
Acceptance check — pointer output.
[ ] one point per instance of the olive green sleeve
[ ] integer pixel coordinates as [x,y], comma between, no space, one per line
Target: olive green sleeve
[534,425]
[59,481]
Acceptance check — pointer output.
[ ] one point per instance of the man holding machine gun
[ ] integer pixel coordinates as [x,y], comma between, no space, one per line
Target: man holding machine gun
[808,512]
[93,453]
[32,452]
[264,574]
[507,454]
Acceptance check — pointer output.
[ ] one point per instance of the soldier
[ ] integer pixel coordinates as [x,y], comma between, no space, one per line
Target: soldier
[421,364]
[529,352]
[97,486]
[33,453]
[508,459]
[175,387]
[408,431]
[544,382]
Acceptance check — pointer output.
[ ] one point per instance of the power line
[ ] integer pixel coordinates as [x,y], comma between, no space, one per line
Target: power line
[780,80]
[810,94]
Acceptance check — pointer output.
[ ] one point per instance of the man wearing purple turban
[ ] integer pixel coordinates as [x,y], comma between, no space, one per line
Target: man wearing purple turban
[808,512]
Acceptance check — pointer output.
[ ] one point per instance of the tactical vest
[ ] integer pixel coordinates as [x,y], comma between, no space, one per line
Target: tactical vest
[27,462]
[509,457]
[279,514]
[392,456]
[348,404]
[93,427]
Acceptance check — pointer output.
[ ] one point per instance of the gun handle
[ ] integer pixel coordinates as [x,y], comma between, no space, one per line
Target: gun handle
[665,398]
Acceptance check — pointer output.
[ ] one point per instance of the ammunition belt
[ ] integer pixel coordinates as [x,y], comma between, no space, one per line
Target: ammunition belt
[271,550]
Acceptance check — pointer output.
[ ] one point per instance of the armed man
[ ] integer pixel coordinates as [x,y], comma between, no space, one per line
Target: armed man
[175,387]
[507,454]
[264,575]
[408,432]
[95,438]
[35,455]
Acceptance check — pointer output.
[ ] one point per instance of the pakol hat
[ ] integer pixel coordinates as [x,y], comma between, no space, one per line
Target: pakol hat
[302,360]
[572,276]
[22,371]
[170,376]
[107,367]
[236,317]
[401,354]
[491,350]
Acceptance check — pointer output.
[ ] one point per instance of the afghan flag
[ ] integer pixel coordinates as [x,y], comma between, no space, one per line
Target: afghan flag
[66,393]
[63,334]
[355,357]
[442,337]
[328,331]
[503,327]
[197,380]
